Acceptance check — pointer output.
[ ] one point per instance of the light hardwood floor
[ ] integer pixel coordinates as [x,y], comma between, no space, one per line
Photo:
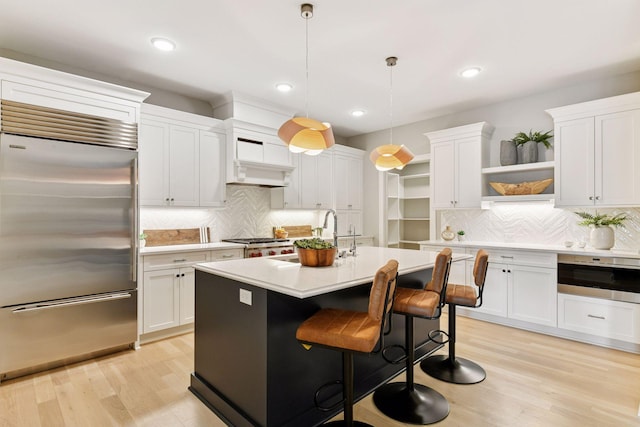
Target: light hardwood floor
[532,380]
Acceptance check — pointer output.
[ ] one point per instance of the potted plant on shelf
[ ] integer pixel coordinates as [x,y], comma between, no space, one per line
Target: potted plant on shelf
[460,235]
[315,252]
[143,240]
[601,235]
[527,145]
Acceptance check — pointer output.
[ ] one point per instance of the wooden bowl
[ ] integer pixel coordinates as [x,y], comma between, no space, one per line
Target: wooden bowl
[317,257]
[523,188]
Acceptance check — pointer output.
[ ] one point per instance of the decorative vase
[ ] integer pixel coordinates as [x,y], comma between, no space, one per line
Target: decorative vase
[602,237]
[528,152]
[508,153]
[448,234]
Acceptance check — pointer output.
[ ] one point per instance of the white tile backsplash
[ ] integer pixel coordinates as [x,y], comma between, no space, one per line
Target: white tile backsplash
[535,224]
[247,214]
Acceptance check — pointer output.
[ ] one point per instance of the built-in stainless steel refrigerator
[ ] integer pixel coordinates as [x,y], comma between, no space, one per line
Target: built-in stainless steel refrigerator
[68,233]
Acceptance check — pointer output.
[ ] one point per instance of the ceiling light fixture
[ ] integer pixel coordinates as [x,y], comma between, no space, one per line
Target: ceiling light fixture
[358,113]
[284,87]
[163,44]
[302,134]
[389,156]
[470,72]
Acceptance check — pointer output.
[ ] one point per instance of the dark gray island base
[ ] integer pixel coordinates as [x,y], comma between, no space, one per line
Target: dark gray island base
[250,369]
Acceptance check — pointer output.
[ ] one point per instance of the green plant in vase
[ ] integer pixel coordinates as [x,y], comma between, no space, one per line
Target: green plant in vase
[527,144]
[601,235]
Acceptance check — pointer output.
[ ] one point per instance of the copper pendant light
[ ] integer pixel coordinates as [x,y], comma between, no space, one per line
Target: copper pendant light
[302,134]
[390,156]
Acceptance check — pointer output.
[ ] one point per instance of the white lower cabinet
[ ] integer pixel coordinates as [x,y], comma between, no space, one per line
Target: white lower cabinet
[532,295]
[168,286]
[604,318]
[168,298]
[496,289]
[519,285]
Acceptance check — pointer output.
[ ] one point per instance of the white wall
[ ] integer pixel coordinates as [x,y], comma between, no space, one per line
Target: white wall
[508,117]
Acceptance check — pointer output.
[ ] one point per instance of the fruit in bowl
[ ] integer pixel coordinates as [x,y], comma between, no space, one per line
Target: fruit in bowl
[280,233]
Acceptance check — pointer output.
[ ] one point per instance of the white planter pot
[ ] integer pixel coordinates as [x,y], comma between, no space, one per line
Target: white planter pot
[602,237]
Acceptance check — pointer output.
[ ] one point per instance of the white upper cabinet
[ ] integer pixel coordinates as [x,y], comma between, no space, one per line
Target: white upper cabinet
[212,171]
[456,164]
[181,160]
[597,149]
[347,177]
[316,188]
[35,85]
[184,144]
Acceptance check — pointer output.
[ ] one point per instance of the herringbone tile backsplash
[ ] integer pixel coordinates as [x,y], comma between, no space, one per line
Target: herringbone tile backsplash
[248,214]
[541,224]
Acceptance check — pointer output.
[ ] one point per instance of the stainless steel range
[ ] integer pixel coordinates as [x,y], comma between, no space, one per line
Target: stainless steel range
[264,246]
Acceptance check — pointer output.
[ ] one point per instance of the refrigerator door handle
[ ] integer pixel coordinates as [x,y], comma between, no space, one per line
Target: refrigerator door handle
[135,238]
[70,302]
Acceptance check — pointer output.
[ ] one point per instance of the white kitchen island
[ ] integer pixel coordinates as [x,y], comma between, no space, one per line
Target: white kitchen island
[249,367]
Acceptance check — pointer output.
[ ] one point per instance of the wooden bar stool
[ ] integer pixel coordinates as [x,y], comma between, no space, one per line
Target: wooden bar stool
[352,332]
[409,402]
[450,368]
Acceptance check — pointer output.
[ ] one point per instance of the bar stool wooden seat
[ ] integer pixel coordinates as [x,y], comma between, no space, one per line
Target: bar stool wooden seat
[450,368]
[352,332]
[409,402]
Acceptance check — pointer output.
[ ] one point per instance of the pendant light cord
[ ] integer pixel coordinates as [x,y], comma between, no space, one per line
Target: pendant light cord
[306,65]
[391,103]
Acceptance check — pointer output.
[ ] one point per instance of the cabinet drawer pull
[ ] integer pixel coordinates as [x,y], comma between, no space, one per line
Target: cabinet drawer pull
[506,257]
[180,260]
[228,256]
[593,316]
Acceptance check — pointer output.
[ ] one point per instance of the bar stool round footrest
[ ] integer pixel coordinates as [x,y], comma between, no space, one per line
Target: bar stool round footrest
[420,405]
[434,333]
[397,361]
[456,371]
[316,397]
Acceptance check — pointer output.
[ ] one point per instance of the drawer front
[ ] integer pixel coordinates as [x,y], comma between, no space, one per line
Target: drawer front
[227,254]
[610,319]
[175,260]
[438,248]
[538,259]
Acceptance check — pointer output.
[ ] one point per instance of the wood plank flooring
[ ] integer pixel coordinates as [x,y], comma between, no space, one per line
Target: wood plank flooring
[532,380]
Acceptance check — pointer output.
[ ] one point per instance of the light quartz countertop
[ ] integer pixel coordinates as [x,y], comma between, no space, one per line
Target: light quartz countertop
[535,247]
[290,278]
[150,250]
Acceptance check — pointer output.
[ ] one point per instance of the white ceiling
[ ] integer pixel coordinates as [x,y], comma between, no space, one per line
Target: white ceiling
[248,46]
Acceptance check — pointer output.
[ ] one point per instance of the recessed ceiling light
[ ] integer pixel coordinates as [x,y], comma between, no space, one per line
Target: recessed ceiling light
[358,113]
[284,87]
[470,72]
[163,44]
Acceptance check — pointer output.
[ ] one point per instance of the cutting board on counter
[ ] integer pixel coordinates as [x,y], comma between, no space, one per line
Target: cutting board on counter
[179,236]
[296,230]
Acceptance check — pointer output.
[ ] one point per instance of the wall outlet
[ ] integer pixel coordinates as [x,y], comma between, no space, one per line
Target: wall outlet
[245,296]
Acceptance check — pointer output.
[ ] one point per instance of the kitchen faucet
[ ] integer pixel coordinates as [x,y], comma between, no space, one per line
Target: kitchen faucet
[335,225]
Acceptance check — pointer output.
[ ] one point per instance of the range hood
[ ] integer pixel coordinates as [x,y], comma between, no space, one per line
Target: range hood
[255,154]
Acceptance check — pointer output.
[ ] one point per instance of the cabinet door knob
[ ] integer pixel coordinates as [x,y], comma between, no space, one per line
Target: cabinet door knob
[504,271]
[590,197]
[177,275]
[597,197]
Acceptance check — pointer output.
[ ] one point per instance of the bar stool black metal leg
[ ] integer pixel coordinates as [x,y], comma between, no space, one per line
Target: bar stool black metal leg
[409,402]
[347,393]
[450,368]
